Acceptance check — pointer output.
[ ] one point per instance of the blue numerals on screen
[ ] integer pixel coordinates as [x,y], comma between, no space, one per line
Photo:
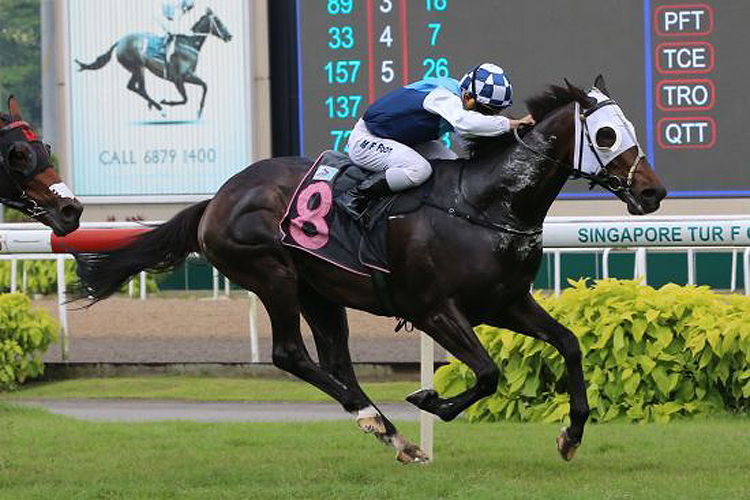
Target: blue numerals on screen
[436,4]
[436,68]
[342,72]
[435,28]
[340,38]
[343,106]
[336,7]
[340,138]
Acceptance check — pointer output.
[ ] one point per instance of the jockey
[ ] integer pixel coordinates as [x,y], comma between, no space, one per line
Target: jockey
[174,12]
[399,132]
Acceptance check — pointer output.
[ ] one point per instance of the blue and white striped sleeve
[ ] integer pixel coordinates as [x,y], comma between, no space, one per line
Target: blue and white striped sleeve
[466,123]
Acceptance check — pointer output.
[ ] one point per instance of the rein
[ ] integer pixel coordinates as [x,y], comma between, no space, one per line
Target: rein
[477,221]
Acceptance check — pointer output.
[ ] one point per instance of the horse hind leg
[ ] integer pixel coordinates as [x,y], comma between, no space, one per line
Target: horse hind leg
[328,323]
[276,285]
[181,89]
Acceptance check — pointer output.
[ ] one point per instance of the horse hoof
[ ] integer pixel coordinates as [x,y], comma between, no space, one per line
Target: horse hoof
[412,454]
[372,425]
[565,446]
[422,397]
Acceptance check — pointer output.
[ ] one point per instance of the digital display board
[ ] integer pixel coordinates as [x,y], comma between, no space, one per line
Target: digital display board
[678,69]
[136,133]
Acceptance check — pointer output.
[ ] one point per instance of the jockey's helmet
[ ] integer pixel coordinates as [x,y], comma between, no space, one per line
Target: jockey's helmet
[488,84]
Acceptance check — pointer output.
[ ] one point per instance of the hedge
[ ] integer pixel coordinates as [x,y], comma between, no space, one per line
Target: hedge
[25,333]
[648,355]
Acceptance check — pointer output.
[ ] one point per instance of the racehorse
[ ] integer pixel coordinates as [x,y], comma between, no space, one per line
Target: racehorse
[466,258]
[28,181]
[146,50]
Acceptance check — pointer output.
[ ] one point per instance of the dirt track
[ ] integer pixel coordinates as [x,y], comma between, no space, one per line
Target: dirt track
[123,330]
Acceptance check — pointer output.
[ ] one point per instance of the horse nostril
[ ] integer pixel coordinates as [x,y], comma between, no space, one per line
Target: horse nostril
[654,194]
[70,213]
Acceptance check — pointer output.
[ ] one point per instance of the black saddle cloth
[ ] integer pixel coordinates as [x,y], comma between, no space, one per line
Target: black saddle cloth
[315,223]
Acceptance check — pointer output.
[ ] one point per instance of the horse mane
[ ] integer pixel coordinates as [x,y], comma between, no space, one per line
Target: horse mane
[539,106]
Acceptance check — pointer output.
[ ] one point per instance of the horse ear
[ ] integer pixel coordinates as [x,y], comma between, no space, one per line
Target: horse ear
[599,84]
[15,111]
[583,99]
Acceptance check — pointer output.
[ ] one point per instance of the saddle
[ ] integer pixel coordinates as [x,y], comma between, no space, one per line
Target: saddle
[315,224]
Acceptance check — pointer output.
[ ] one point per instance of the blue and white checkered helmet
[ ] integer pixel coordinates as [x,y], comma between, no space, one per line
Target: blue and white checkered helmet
[488,84]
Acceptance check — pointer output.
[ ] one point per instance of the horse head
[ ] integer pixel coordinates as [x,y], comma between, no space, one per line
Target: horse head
[210,24]
[601,146]
[28,181]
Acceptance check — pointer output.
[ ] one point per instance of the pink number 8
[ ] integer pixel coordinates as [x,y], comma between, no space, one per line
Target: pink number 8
[316,216]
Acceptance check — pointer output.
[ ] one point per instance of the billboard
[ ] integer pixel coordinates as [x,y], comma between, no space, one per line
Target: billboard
[158,97]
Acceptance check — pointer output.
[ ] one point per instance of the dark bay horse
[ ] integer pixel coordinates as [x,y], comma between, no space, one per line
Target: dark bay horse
[134,54]
[448,274]
[28,180]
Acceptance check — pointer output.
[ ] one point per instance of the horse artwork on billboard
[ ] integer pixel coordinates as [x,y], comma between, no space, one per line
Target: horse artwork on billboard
[465,255]
[139,51]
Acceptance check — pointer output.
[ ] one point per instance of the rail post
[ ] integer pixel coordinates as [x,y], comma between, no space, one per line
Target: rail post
[61,309]
[13,275]
[427,372]
[253,319]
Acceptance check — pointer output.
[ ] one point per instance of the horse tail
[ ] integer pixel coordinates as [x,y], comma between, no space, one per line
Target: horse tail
[100,61]
[166,246]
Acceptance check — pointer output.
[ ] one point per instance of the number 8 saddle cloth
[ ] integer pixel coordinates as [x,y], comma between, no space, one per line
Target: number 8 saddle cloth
[315,224]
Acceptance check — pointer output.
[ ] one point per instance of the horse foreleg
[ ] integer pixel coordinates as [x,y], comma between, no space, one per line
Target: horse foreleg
[191,78]
[328,323]
[528,317]
[181,89]
[450,328]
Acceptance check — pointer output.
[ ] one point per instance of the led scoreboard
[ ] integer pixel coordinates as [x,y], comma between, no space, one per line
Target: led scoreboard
[678,69]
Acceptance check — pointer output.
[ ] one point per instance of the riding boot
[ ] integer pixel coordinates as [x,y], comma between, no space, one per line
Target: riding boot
[356,200]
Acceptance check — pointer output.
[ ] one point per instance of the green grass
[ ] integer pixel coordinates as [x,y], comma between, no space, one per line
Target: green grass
[44,456]
[200,389]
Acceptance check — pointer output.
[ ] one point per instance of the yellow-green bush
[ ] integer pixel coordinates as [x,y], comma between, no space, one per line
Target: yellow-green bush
[25,332]
[648,355]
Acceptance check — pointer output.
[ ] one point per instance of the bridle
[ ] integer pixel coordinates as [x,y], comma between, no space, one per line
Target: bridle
[21,201]
[212,25]
[612,183]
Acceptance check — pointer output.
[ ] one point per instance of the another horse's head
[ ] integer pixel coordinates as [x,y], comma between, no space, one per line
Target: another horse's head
[28,181]
[604,148]
[210,24]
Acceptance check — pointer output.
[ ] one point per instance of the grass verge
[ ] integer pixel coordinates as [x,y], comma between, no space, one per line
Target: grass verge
[44,456]
[200,389]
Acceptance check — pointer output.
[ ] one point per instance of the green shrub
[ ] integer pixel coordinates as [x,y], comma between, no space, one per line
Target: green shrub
[648,355]
[25,332]
[41,275]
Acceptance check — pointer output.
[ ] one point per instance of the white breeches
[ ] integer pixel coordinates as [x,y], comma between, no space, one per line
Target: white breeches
[405,167]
